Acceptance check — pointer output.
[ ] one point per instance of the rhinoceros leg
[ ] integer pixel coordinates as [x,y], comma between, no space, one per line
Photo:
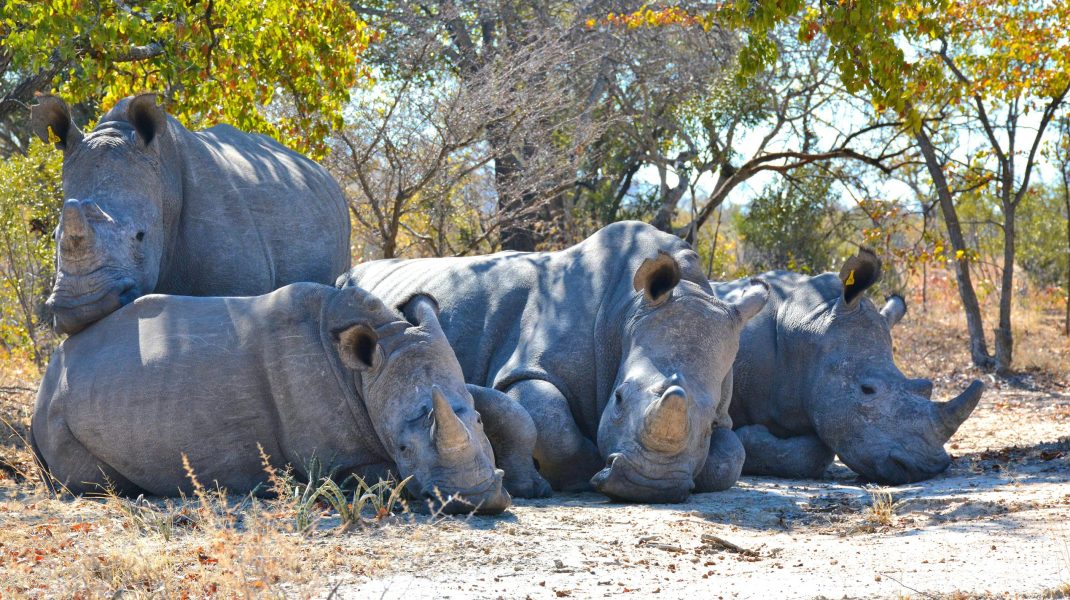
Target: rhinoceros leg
[723,463]
[77,471]
[512,434]
[567,459]
[800,457]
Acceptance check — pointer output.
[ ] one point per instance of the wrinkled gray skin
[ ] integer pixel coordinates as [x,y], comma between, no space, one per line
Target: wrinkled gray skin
[306,371]
[154,207]
[615,347]
[815,378]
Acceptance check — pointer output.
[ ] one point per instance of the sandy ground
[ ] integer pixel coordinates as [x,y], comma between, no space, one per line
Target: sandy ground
[996,524]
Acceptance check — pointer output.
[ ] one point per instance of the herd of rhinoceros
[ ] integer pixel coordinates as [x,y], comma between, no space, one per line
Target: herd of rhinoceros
[613,365]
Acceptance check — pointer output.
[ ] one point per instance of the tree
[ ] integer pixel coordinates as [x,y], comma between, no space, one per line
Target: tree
[1059,154]
[530,51]
[212,61]
[1000,62]
[989,61]
[774,115]
[403,160]
[792,225]
[30,194]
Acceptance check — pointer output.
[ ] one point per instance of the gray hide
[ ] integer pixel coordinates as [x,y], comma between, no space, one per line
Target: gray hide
[615,347]
[308,371]
[815,378]
[154,207]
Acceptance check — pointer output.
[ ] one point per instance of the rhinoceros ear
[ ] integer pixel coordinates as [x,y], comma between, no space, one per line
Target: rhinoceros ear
[147,118]
[893,310]
[657,277]
[358,347]
[751,299]
[51,114]
[859,273]
[420,309]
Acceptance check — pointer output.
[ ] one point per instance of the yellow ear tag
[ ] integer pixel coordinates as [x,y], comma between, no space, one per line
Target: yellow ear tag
[52,137]
[850,278]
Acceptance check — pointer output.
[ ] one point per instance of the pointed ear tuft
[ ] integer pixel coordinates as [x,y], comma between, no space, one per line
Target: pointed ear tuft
[657,277]
[358,346]
[858,274]
[50,120]
[148,119]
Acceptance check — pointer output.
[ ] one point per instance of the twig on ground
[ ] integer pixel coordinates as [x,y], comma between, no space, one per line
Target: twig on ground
[713,540]
[15,389]
[907,586]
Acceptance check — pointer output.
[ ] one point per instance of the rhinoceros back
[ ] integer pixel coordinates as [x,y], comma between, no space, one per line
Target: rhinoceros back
[254,216]
[554,316]
[194,375]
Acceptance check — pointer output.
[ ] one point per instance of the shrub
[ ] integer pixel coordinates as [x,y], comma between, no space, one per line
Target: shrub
[31,193]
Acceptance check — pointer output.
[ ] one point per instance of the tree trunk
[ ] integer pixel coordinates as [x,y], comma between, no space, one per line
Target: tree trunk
[1066,201]
[515,232]
[974,323]
[1004,334]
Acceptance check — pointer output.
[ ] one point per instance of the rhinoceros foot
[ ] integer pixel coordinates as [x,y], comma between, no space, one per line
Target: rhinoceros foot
[528,485]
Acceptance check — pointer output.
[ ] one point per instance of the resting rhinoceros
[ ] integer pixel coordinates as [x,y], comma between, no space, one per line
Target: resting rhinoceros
[616,347]
[154,207]
[308,371]
[815,378]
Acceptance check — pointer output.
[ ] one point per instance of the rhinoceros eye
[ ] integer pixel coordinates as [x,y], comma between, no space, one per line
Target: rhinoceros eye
[618,397]
[868,389]
[140,236]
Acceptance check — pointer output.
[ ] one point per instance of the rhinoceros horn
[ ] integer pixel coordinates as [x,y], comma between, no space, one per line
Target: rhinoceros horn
[77,232]
[665,424]
[951,414]
[448,431]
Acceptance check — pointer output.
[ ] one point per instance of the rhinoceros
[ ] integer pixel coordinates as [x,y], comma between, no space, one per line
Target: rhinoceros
[154,207]
[815,378]
[616,347]
[306,372]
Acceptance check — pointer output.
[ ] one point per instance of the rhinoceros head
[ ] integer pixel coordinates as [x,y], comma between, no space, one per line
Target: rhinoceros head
[110,238]
[883,425]
[672,385]
[415,394]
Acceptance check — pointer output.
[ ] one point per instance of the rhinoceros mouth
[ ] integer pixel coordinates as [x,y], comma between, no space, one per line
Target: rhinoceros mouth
[900,470]
[623,480]
[484,497]
[72,314]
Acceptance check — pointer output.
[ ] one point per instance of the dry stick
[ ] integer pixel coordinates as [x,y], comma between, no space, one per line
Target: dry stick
[908,587]
[713,540]
[14,389]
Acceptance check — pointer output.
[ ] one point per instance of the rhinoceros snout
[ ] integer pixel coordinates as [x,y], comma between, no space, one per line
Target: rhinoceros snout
[485,499]
[621,480]
[900,469]
[72,315]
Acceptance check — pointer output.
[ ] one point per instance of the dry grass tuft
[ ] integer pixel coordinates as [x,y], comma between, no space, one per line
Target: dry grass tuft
[881,510]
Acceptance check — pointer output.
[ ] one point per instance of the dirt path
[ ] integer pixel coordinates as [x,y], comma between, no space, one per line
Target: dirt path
[998,523]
